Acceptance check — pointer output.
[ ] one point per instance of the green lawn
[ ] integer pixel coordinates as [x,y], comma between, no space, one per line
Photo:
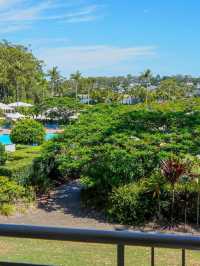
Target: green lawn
[76,254]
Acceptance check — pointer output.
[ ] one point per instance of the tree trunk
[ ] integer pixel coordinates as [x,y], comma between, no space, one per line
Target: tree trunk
[172,210]
[76,90]
[185,220]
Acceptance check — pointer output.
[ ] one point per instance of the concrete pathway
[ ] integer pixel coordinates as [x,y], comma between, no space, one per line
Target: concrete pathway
[62,208]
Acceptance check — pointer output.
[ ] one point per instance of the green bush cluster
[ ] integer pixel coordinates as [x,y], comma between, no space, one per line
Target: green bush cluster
[131,204]
[151,199]
[27,131]
[10,191]
[113,147]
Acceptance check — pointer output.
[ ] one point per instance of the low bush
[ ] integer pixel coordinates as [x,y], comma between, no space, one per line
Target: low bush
[10,191]
[28,131]
[7,209]
[131,204]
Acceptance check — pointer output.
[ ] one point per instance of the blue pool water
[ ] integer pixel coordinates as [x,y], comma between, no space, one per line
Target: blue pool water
[5,139]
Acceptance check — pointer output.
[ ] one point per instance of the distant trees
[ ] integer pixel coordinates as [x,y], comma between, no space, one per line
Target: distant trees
[21,74]
[170,89]
[76,77]
[55,81]
[22,77]
[58,108]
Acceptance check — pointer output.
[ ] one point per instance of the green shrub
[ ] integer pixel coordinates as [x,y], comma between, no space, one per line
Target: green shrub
[10,191]
[131,204]
[7,209]
[114,166]
[3,155]
[28,131]
[45,171]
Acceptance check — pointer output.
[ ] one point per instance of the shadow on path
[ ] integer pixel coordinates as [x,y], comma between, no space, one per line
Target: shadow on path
[66,199]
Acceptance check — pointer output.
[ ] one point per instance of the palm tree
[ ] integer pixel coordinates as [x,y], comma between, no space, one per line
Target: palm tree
[54,80]
[91,83]
[146,77]
[196,178]
[76,77]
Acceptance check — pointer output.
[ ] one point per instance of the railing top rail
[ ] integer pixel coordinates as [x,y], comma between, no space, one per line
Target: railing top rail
[125,237]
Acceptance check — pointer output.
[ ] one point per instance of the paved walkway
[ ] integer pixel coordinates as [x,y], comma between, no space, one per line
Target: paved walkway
[63,208]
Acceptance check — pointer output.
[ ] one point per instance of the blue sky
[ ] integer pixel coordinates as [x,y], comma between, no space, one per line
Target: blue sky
[107,37]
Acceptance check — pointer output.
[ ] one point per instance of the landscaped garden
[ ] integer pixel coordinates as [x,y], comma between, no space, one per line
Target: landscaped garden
[136,165]
[139,163]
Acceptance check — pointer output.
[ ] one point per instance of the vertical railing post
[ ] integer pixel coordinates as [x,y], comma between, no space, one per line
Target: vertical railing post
[120,255]
[152,256]
[120,250]
[183,257]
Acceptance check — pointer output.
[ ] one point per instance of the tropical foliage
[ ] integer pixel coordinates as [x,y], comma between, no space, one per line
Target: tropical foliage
[28,131]
[112,148]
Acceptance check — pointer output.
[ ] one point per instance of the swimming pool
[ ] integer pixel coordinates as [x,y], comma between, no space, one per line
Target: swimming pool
[5,138]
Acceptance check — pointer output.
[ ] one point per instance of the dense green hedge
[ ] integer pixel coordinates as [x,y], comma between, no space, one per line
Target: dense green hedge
[27,131]
[16,178]
[19,165]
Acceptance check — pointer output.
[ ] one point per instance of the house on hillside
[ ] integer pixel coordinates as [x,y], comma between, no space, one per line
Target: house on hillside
[152,87]
[189,84]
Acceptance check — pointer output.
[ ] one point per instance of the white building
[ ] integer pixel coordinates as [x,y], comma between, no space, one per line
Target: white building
[127,99]
[189,83]
[84,98]
[5,108]
[20,104]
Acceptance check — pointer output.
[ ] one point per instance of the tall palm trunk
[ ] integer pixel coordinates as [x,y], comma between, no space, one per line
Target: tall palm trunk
[172,208]
[76,90]
[88,95]
[198,199]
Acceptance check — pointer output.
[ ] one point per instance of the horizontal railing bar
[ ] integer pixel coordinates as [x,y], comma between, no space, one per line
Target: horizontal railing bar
[20,264]
[101,236]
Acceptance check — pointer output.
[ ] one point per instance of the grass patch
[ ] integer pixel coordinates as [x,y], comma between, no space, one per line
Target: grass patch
[80,254]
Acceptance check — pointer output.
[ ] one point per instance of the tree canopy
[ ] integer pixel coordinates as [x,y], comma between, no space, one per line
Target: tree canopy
[21,74]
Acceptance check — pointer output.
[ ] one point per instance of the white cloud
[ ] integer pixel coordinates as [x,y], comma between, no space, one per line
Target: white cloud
[93,59]
[81,19]
[6,3]
[20,13]
[13,28]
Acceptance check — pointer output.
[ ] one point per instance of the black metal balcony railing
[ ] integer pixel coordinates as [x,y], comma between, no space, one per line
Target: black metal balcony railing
[118,238]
